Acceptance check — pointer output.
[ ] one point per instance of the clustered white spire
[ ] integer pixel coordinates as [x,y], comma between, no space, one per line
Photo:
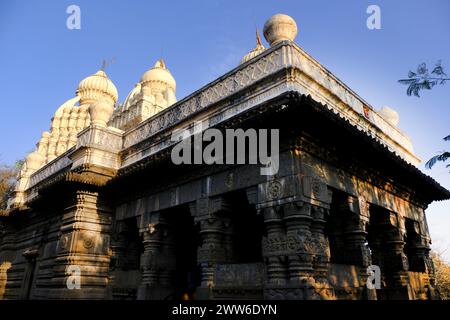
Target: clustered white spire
[94,104]
[69,119]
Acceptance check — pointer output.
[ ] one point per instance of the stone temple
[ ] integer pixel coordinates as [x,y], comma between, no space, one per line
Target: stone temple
[101,212]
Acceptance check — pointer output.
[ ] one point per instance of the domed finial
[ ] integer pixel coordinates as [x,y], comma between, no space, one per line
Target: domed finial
[280,27]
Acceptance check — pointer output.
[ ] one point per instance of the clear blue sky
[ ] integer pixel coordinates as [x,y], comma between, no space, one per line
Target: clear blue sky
[41,61]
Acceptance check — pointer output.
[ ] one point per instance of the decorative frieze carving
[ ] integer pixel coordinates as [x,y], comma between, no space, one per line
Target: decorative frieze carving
[106,138]
[50,169]
[287,244]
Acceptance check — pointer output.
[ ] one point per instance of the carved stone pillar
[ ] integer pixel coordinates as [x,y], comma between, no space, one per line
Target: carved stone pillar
[272,246]
[417,250]
[395,261]
[348,231]
[321,253]
[321,245]
[422,255]
[417,247]
[300,248]
[321,261]
[213,218]
[118,245]
[157,260]
[355,219]
[118,254]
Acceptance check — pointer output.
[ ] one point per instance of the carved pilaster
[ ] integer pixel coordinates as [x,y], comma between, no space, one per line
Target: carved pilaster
[83,245]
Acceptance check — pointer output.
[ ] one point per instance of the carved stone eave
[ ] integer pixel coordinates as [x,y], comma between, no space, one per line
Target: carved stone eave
[375,178]
[91,175]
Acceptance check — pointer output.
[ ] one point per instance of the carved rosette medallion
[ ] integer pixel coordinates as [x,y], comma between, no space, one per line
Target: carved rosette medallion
[274,190]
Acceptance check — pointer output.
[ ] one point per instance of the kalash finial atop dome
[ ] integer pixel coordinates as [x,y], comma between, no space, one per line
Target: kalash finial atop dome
[256,51]
[280,27]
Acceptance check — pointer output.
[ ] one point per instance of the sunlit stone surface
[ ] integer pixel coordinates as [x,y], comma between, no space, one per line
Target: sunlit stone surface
[101,196]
